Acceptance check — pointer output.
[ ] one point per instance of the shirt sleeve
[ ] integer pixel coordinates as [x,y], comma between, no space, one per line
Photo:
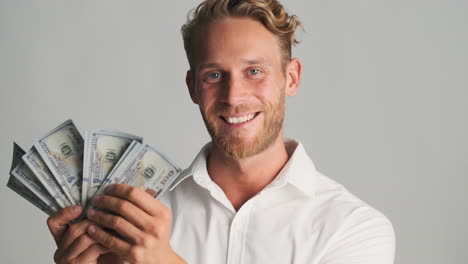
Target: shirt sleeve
[366,237]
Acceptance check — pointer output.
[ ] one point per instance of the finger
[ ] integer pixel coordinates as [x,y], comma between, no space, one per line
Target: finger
[135,195]
[92,253]
[107,240]
[72,233]
[78,246]
[122,207]
[57,223]
[111,257]
[117,223]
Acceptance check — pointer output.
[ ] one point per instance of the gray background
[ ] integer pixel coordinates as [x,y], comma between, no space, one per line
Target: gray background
[382,107]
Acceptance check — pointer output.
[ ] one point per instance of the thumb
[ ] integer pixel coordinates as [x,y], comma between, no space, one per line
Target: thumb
[57,223]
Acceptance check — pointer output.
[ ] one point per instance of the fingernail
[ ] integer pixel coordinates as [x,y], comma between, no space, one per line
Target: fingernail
[91,212]
[91,229]
[76,209]
[109,188]
[96,198]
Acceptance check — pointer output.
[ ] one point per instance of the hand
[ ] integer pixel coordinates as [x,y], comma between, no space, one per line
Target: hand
[142,223]
[73,244]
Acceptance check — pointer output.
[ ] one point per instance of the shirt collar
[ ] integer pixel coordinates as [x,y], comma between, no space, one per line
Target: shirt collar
[299,171]
[197,169]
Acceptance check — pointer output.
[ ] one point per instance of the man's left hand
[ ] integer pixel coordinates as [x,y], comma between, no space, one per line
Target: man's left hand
[143,223]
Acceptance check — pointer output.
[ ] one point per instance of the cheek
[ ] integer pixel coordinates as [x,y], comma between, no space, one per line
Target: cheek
[269,91]
[207,101]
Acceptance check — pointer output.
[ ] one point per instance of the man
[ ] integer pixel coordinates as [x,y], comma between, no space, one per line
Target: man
[250,196]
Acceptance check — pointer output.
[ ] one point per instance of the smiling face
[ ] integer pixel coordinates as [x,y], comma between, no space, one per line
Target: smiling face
[239,83]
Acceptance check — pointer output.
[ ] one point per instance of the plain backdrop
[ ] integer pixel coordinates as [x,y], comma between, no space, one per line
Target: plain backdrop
[382,107]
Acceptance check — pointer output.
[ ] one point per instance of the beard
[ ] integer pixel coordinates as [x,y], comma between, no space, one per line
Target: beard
[231,142]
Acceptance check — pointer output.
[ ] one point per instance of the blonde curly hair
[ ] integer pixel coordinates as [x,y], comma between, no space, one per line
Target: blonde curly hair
[269,12]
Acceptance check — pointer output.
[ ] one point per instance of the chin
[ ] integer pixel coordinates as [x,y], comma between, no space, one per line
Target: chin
[242,144]
[240,148]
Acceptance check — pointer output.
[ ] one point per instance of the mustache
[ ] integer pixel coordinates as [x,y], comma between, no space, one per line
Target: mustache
[227,109]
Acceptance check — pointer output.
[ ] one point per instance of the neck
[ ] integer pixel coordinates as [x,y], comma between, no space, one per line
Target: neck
[242,179]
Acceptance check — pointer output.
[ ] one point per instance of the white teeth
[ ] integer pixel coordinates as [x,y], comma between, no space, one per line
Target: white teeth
[238,120]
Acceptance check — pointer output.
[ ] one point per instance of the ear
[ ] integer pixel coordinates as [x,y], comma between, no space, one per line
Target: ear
[191,86]
[293,76]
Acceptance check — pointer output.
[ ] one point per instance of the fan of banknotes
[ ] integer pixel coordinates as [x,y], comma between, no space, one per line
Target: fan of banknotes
[62,169]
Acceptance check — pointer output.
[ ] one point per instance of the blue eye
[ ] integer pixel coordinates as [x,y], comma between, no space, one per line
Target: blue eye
[214,75]
[254,71]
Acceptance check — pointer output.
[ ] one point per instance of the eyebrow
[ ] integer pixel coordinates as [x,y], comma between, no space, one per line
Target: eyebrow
[254,61]
[244,61]
[209,65]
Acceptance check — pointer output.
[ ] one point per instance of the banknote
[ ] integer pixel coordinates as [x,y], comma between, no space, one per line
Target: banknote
[18,152]
[23,174]
[130,151]
[42,172]
[146,168]
[62,169]
[123,158]
[19,188]
[102,150]
[62,151]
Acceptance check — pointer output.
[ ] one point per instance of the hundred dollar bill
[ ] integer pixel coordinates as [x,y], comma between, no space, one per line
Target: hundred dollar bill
[145,168]
[40,169]
[23,174]
[62,151]
[19,188]
[123,158]
[130,151]
[116,166]
[18,152]
[102,150]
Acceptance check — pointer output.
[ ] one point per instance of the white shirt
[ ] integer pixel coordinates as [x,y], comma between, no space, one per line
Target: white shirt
[302,216]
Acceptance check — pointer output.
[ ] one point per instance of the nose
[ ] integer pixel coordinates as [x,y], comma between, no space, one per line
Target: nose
[234,89]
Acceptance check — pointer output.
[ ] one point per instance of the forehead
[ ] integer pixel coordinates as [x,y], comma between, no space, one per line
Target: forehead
[235,39]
